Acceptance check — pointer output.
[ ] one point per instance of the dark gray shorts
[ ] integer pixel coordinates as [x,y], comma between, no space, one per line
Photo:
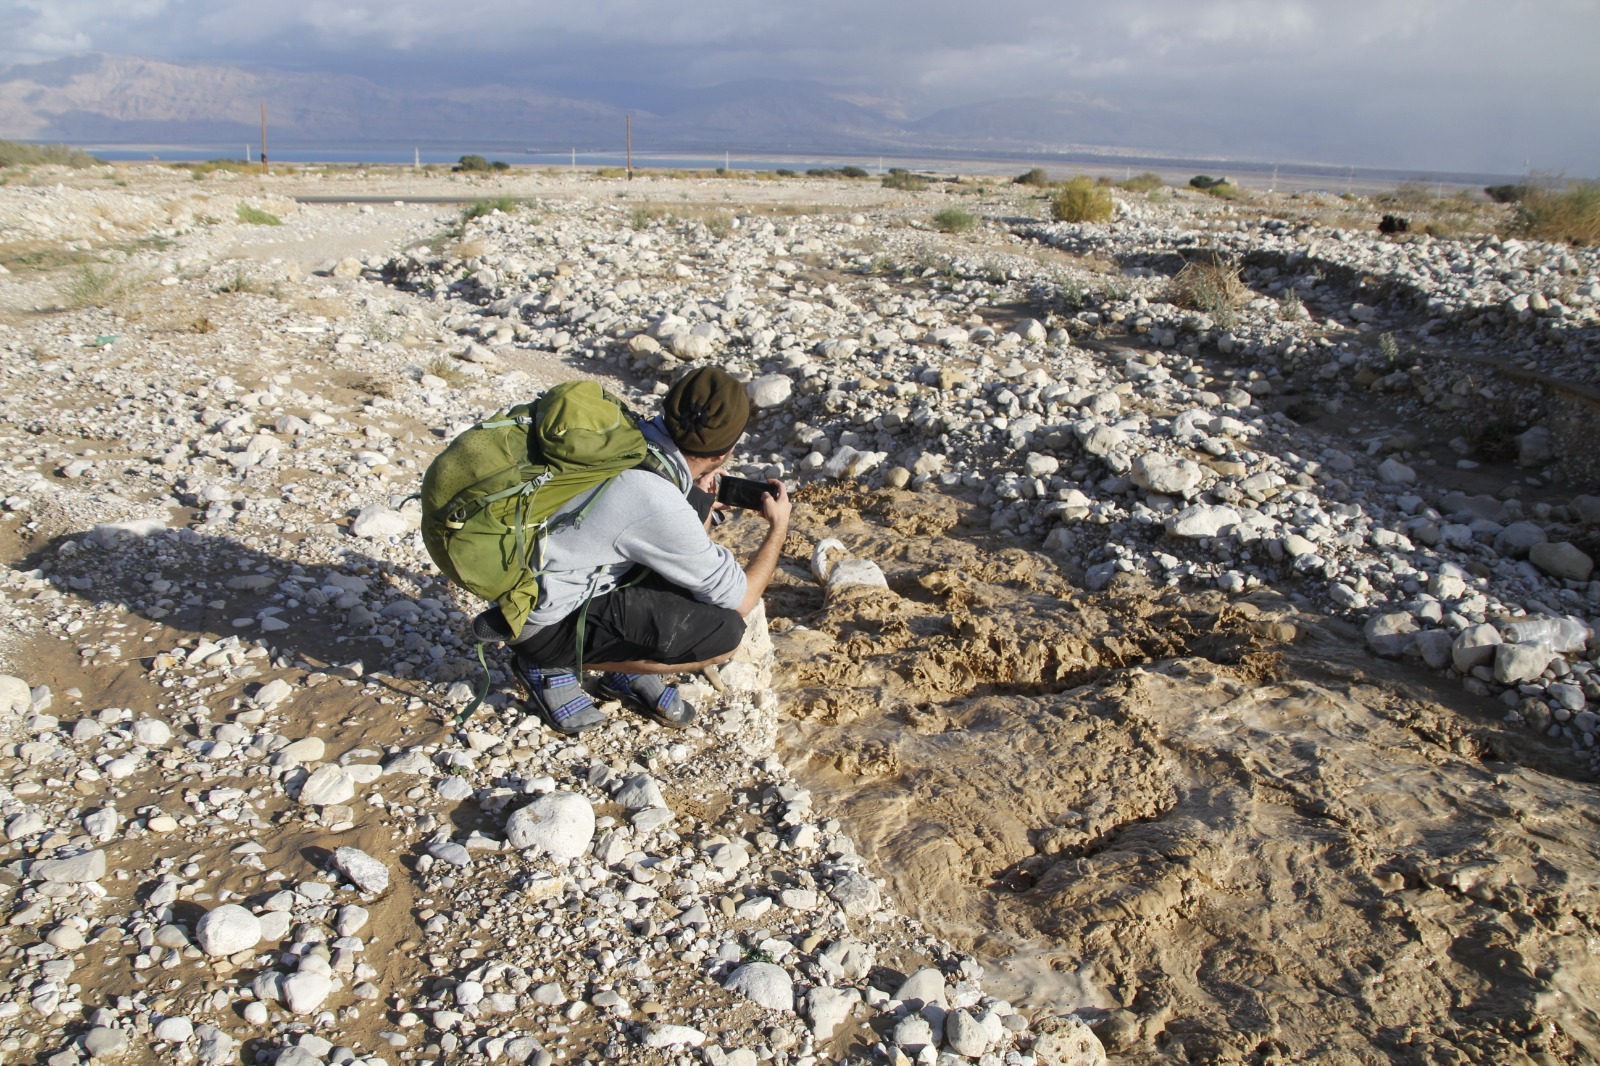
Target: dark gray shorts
[652,620]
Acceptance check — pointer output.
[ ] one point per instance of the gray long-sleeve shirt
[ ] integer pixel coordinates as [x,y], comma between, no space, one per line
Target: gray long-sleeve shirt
[640,518]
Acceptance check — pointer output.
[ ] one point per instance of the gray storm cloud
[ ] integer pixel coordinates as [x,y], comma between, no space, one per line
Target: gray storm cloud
[1497,80]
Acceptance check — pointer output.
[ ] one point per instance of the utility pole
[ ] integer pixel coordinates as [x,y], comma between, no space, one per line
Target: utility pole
[264,169]
[726,164]
[630,147]
[574,159]
[416,158]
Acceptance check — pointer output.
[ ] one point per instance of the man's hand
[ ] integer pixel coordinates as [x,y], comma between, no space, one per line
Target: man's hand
[707,482]
[776,505]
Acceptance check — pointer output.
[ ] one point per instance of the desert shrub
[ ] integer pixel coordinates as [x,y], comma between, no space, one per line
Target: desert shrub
[641,216]
[904,180]
[1081,200]
[955,220]
[853,172]
[205,168]
[1036,177]
[1215,289]
[1205,181]
[1146,182]
[93,286]
[784,172]
[447,370]
[238,281]
[1507,194]
[488,206]
[1389,351]
[1571,214]
[471,163]
[257,217]
[17,154]
[1290,307]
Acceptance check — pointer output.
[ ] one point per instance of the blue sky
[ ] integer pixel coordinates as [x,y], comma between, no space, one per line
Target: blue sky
[1457,84]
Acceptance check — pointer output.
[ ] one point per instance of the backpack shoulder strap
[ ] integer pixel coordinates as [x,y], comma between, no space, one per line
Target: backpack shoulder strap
[657,462]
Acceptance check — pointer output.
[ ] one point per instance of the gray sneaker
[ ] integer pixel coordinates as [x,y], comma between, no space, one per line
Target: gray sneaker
[557,698]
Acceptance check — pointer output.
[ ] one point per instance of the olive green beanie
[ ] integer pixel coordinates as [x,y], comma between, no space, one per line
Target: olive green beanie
[705,411]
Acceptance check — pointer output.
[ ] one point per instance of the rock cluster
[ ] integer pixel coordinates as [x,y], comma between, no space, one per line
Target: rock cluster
[285,847]
[1165,461]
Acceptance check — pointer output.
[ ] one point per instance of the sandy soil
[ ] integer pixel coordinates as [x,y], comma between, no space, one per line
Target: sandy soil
[1203,817]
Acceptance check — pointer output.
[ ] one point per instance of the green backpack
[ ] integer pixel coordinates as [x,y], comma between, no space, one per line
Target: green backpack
[488,498]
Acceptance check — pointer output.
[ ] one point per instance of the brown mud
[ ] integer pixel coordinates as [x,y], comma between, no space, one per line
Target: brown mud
[1219,827]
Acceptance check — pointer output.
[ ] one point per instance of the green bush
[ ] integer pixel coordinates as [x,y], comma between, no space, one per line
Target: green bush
[1205,181]
[204,168]
[853,172]
[1036,177]
[784,172]
[17,154]
[1507,194]
[1081,200]
[1146,182]
[1571,214]
[904,180]
[257,217]
[1224,190]
[488,206]
[641,217]
[955,220]
[476,163]
[91,286]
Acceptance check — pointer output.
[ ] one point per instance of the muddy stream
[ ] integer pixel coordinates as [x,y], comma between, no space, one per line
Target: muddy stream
[1219,827]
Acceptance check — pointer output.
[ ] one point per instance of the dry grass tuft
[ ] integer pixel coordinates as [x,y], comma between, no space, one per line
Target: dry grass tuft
[93,286]
[447,370]
[1571,214]
[1215,289]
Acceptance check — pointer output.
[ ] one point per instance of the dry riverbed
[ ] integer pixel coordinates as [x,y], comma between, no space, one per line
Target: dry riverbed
[1183,684]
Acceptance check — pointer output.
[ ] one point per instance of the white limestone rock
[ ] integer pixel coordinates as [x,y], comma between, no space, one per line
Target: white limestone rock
[1166,474]
[377,522]
[763,984]
[361,869]
[558,824]
[227,930]
[327,784]
[1474,646]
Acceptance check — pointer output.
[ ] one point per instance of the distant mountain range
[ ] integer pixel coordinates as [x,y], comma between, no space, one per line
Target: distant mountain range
[110,99]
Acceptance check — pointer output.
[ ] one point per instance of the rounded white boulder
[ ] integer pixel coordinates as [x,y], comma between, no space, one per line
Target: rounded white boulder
[559,824]
[763,984]
[228,929]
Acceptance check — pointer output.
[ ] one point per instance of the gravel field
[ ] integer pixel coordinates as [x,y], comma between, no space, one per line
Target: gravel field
[1184,649]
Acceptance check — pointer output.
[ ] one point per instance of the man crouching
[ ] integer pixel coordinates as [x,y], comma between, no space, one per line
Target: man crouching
[638,590]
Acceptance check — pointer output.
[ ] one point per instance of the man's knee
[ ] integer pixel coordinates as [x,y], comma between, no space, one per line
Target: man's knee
[720,642]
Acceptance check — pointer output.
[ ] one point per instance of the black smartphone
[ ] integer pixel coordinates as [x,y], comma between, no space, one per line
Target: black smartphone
[742,492]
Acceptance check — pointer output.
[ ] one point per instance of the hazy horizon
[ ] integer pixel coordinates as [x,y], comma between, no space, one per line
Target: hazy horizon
[1442,85]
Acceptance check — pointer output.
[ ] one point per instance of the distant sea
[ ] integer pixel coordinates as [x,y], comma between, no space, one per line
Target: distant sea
[1255,174]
